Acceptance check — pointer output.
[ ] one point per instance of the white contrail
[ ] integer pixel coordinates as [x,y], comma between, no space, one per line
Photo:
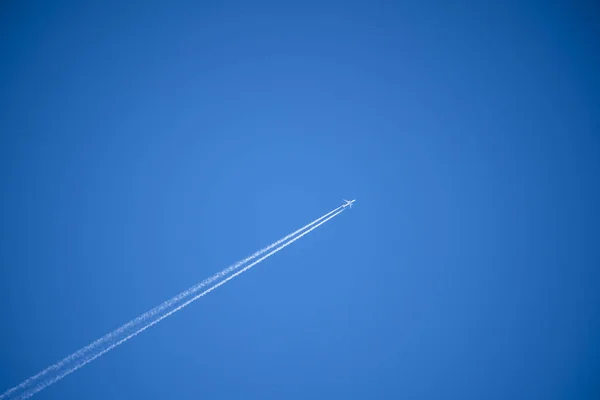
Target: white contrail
[157,310]
[84,356]
[85,361]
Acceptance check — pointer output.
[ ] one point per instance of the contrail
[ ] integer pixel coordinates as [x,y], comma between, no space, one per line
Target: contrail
[157,310]
[85,355]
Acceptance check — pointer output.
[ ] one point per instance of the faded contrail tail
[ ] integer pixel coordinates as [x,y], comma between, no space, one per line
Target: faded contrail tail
[101,346]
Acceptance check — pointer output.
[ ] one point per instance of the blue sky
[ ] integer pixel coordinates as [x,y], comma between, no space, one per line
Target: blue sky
[144,148]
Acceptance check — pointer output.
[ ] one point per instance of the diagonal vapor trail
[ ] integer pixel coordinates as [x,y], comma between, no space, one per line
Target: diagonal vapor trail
[90,352]
[156,310]
[55,379]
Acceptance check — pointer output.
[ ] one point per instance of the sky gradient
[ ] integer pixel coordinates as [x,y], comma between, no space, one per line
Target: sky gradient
[145,148]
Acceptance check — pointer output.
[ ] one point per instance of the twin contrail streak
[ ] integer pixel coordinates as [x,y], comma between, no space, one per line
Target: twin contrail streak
[89,353]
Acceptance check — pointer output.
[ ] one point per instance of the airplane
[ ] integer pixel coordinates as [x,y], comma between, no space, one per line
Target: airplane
[348,203]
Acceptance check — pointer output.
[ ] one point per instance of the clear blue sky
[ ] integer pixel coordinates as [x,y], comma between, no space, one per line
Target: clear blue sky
[144,148]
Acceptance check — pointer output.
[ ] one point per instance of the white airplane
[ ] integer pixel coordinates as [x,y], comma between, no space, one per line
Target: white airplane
[348,203]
